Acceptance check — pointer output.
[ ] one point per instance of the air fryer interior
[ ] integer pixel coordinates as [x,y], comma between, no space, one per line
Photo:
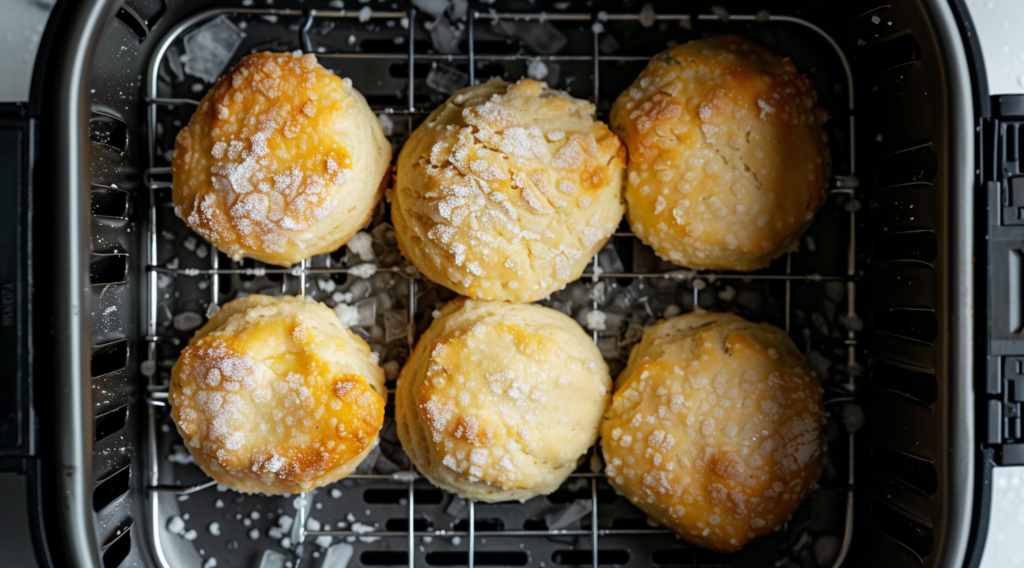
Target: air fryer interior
[866,297]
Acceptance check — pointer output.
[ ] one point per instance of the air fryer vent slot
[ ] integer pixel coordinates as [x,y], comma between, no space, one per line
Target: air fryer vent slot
[914,383]
[118,549]
[908,166]
[916,472]
[108,268]
[394,496]
[890,52]
[110,422]
[910,533]
[109,357]
[910,323]
[481,558]
[384,558]
[108,490]
[915,245]
[141,15]
[109,202]
[586,557]
[108,130]
[401,524]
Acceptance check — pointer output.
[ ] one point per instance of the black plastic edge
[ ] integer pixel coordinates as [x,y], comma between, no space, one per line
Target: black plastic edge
[988,379]
[17,416]
[62,335]
[956,495]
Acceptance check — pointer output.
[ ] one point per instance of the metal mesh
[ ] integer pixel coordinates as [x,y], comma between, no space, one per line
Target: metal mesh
[387,512]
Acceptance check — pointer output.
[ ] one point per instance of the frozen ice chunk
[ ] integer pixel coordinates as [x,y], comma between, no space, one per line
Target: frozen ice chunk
[187,321]
[446,79]
[209,48]
[853,417]
[608,44]
[366,311]
[384,234]
[386,124]
[361,245]
[395,326]
[173,60]
[337,556]
[539,37]
[536,69]
[647,15]
[365,270]
[568,517]
[443,35]
[597,320]
[362,528]
[609,259]
[176,525]
[433,7]
[327,285]
[385,465]
[273,559]
[368,463]
[826,549]
[456,508]
[722,13]
[458,10]
[347,314]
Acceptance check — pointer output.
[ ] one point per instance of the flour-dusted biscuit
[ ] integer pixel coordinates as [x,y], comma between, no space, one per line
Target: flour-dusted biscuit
[715,428]
[507,191]
[499,401]
[282,161]
[274,396]
[728,161]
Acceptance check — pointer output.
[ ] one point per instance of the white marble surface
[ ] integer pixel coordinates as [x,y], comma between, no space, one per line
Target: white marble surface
[21,26]
[999,30]
[1006,523]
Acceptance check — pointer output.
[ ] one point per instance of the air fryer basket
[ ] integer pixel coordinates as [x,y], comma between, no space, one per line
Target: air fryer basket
[877,297]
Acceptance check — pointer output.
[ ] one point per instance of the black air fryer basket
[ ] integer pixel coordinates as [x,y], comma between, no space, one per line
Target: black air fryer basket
[102,285]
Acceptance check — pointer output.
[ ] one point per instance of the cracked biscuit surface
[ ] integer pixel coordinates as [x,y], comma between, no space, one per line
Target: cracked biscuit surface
[499,401]
[507,190]
[715,428]
[728,160]
[283,160]
[274,395]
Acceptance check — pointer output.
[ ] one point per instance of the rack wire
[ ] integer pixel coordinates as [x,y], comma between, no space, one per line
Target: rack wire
[157,184]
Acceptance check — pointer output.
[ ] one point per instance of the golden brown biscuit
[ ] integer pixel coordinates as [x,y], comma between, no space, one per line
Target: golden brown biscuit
[506,191]
[274,396]
[282,161]
[715,428]
[728,160]
[499,401]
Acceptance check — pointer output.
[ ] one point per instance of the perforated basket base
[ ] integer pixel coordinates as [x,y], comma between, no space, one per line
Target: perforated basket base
[805,293]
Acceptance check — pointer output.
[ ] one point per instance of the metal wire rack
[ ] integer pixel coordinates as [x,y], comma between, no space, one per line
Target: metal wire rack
[296,279]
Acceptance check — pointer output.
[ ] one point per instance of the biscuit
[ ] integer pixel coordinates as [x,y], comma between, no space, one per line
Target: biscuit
[274,396]
[282,161]
[728,161]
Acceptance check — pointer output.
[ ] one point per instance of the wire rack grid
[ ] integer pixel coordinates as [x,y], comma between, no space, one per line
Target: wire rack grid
[158,185]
